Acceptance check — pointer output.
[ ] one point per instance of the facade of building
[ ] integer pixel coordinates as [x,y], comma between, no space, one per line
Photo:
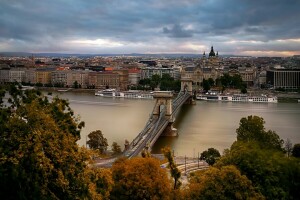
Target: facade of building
[4,75]
[30,76]
[59,77]
[16,75]
[284,78]
[134,76]
[123,78]
[107,80]
[148,72]
[43,75]
[80,76]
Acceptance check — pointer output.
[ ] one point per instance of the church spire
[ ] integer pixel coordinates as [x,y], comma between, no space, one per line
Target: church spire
[212,52]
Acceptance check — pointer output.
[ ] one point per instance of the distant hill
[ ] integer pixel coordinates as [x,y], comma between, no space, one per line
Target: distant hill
[175,55]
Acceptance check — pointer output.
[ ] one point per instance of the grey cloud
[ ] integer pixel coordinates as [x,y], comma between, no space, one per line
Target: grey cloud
[177,31]
[45,25]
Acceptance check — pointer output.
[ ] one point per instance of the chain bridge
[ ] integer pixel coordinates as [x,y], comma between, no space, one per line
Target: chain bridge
[161,119]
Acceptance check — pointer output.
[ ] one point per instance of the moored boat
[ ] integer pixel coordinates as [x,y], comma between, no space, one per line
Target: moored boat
[238,98]
[125,94]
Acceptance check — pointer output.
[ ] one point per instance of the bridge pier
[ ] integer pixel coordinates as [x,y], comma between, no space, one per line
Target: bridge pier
[170,131]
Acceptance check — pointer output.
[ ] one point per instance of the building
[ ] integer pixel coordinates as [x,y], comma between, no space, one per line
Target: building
[30,76]
[148,72]
[4,73]
[79,76]
[16,75]
[283,78]
[134,76]
[107,80]
[123,78]
[43,75]
[59,77]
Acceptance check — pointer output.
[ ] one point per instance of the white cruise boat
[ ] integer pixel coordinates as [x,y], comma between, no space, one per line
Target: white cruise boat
[238,98]
[126,94]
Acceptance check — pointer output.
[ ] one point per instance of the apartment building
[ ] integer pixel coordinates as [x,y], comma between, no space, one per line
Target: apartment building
[284,78]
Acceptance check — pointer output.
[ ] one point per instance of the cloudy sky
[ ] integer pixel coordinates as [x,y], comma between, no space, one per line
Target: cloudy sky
[243,27]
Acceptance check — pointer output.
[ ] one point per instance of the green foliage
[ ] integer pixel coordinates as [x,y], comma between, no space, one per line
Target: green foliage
[97,141]
[252,129]
[210,156]
[116,148]
[273,174]
[155,80]
[139,178]
[243,90]
[166,82]
[206,85]
[296,151]
[288,147]
[175,172]
[75,84]
[228,81]
[40,158]
[258,154]
[224,183]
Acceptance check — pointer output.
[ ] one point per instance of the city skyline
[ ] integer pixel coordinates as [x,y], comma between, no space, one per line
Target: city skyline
[267,28]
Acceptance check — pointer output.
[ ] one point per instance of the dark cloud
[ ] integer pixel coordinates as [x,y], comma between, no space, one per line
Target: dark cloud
[177,31]
[29,25]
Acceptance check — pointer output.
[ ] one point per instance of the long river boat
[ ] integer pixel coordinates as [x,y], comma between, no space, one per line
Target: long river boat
[125,94]
[238,98]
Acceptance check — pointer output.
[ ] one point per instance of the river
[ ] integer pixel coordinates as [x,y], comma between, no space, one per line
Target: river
[200,126]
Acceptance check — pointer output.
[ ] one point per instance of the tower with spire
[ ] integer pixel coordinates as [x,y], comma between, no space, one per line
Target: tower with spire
[212,52]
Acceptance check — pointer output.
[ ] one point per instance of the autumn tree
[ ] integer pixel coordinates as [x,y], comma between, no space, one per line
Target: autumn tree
[210,156]
[252,129]
[116,149]
[224,183]
[175,172]
[40,158]
[139,178]
[97,141]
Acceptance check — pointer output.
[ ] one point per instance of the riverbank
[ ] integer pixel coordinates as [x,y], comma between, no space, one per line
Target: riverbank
[283,97]
[55,89]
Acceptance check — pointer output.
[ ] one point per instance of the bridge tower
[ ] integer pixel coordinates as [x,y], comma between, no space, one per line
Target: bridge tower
[187,86]
[164,98]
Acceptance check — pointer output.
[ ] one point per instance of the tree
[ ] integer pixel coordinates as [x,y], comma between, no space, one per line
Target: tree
[75,84]
[288,147]
[296,151]
[116,148]
[155,80]
[97,141]
[40,158]
[224,183]
[271,172]
[243,90]
[210,156]
[206,85]
[175,172]
[252,129]
[139,178]
[211,81]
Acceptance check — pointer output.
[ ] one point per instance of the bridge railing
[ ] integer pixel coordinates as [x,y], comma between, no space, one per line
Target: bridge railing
[142,143]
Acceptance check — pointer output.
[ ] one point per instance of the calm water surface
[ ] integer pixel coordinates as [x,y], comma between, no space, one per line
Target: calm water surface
[200,126]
